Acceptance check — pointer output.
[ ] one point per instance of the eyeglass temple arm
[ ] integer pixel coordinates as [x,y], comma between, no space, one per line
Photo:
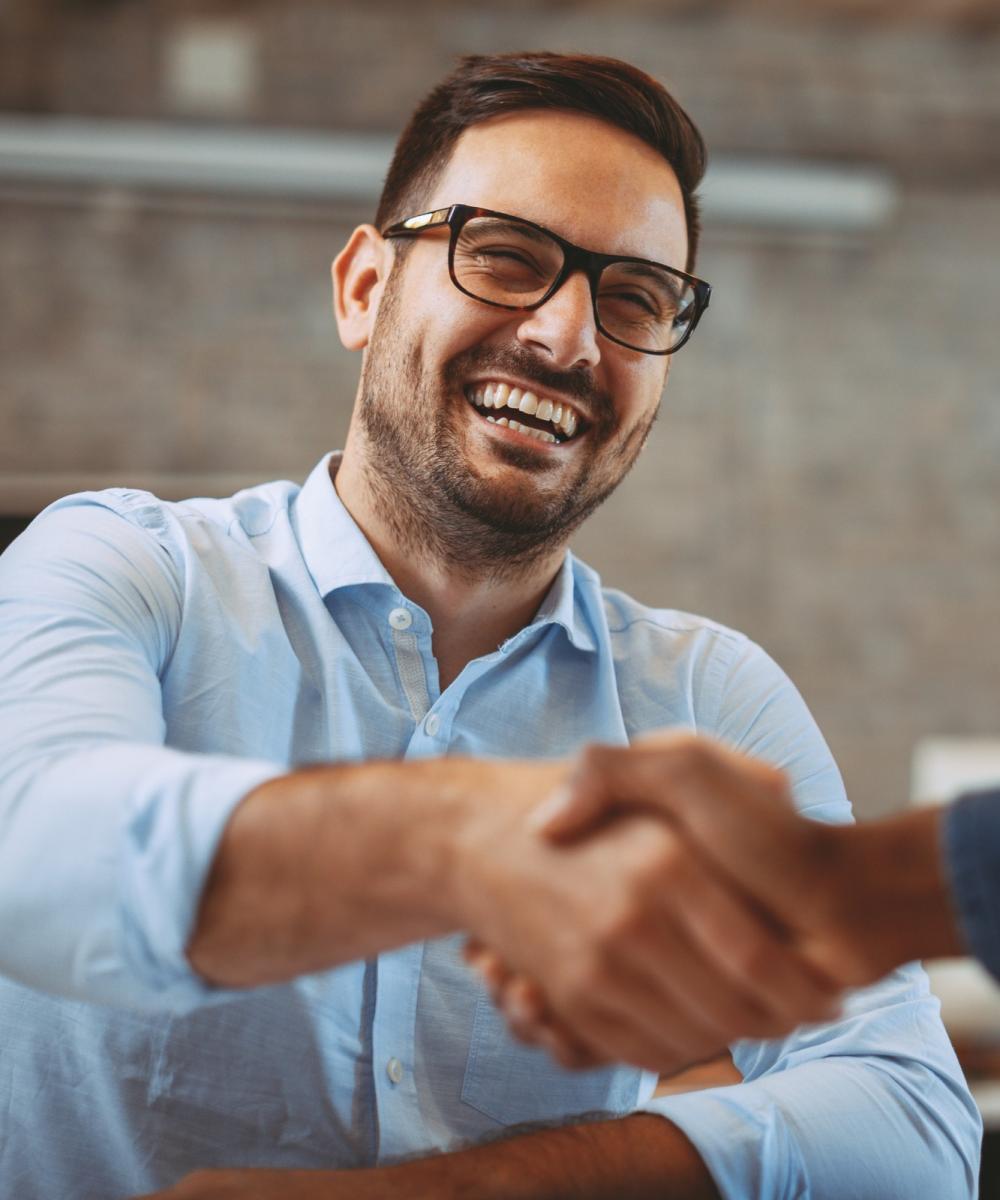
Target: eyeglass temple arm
[415,225]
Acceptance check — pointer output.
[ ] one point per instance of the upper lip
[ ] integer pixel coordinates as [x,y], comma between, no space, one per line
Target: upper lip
[529,386]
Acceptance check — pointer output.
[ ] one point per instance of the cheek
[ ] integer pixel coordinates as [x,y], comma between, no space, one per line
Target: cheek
[643,384]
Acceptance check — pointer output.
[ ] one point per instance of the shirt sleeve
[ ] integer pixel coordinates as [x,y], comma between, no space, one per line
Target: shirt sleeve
[873,1104]
[107,834]
[972,862]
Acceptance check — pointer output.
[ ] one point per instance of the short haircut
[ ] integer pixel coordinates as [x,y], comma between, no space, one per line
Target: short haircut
[484,86]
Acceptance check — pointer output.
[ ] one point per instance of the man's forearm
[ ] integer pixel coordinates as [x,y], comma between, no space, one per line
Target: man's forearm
[332,864]
[638,1157]
[641,1157]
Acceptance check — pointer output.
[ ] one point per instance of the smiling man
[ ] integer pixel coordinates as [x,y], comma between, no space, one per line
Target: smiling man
[214,959]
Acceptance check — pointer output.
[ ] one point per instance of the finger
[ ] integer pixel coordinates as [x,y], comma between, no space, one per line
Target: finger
[493,970]
[568,1051]
[570,811]
[489,966]
[523,1001]
[530,1020]
[738,810]
[759,963]
[630,1016]
[692,994]
[472,949]
[609,779]
[523,1007]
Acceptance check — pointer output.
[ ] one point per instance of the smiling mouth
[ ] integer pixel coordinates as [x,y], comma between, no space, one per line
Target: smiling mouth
[524,411]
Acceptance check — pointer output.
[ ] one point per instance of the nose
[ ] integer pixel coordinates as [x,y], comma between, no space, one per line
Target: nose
[563,327]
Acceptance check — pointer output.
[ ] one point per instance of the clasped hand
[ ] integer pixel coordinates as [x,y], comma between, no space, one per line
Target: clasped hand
[728,925]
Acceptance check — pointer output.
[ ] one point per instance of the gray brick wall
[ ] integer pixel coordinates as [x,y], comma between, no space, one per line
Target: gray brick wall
[823,474]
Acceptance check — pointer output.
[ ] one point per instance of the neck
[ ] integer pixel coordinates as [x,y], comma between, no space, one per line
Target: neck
[475,602]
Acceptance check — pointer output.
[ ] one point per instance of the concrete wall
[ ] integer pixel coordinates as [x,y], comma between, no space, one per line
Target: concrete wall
[824,472]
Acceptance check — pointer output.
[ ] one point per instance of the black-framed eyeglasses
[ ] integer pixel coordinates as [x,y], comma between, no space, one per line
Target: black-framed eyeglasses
[513,263]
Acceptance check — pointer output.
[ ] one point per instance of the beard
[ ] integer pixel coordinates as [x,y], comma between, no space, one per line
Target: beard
[422,477]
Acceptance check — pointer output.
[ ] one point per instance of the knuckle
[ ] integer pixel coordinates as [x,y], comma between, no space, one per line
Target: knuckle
[670,864]
[622,923]
[587,976]
[776,783]
[594,758]
[691,751]
[755,960]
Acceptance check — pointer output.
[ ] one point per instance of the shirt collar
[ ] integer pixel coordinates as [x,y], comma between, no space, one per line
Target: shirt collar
[567,602]
[337,554]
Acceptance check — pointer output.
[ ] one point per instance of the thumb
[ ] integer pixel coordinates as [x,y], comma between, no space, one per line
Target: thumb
[569,811]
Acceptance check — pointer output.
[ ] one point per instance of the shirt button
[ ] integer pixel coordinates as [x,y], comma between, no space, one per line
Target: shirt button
[394,1069]
[401,618]
[432,725]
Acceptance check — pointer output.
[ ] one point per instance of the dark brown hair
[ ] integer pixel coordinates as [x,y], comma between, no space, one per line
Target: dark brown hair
[484,86]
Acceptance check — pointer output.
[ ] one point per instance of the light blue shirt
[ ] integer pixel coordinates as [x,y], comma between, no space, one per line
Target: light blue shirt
[158,661]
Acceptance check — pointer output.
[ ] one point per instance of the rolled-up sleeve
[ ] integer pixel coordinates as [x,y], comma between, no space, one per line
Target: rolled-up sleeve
[872,1105]
[106,834]
[971,838]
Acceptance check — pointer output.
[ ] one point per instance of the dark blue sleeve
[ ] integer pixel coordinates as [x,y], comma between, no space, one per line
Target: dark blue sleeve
[972,856]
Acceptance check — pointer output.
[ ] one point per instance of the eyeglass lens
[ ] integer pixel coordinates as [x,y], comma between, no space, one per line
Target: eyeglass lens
[505,262]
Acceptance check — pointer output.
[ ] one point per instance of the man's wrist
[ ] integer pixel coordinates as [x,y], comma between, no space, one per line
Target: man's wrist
[491,818]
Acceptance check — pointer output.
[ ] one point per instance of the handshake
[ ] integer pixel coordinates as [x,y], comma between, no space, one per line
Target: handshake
[688,905]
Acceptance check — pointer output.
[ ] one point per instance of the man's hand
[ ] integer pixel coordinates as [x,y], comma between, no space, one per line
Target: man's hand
[853,901]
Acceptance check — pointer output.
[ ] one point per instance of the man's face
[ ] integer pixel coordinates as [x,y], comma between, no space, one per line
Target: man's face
[433,350]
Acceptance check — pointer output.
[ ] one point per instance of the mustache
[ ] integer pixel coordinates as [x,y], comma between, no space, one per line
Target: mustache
[596,403]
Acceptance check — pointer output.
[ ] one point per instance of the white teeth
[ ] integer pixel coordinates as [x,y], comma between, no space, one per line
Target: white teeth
[502,395]
[501,421]
[539,435]
[492,420]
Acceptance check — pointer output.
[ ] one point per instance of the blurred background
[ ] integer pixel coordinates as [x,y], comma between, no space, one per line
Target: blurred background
[176,176]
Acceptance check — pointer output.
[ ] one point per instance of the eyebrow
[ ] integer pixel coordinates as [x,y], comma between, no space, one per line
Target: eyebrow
[661,275]
[529,231]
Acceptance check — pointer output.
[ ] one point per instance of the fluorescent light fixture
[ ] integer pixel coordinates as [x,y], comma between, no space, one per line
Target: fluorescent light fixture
[345,166]
[798,195]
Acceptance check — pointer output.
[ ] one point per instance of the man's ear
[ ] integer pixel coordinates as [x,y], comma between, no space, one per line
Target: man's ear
[359,273]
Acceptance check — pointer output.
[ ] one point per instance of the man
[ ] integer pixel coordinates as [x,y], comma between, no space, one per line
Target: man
[411,616]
